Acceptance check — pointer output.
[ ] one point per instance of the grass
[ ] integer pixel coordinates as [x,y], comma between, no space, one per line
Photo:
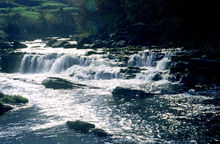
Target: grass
[19,9]
[31,15]
[52,5]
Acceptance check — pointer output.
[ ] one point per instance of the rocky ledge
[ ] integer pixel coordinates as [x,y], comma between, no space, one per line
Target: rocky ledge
[196,69]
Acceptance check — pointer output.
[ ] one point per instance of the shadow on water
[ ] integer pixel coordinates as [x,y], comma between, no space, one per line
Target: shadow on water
[19,127]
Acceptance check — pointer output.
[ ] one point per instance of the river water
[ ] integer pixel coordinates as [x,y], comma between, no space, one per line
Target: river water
[166,117]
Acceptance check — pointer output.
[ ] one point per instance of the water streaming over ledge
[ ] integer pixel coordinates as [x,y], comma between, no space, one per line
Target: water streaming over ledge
[159,119]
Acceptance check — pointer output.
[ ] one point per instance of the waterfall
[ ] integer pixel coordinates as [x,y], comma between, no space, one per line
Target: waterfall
[145,58]
[155,64]
[151,63]
[79,67]
[49,63]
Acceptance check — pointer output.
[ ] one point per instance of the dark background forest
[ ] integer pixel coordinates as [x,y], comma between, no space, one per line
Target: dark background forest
[190,23]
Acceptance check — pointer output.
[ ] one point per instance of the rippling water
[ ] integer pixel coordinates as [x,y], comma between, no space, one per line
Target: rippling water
[165,118]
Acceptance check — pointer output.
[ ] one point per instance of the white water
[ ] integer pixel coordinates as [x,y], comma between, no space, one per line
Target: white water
[43,119]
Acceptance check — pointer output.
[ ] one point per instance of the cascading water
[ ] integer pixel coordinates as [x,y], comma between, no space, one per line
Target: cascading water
[94,67]
[158,119]
[154,63]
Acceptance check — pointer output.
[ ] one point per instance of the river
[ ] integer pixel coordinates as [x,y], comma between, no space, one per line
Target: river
[166,117]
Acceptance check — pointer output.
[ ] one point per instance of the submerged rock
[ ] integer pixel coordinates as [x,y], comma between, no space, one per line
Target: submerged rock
[100,132]
[126,93]
[86,127]
[80,126]
[59,83]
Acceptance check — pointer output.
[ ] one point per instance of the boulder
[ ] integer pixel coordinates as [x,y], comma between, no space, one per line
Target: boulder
[59,83]
[126,93]
[80,126]
[85,127]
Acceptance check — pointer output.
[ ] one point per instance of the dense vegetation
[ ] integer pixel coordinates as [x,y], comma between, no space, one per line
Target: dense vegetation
[32,18]
[181,22]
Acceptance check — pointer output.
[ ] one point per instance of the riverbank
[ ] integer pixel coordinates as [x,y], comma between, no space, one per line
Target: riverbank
[7,102]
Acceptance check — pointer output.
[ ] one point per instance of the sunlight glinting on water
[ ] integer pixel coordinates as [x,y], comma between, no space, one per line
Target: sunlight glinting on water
[143,121]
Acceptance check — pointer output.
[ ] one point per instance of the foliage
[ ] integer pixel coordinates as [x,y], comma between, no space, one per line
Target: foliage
[36,17]
[183,20]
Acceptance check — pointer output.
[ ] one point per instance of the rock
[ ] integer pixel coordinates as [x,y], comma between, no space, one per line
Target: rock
[98,44]
[157,77]
[100,132]
[59,44]
[51,42]
[126,93]
[4,108]
[58,83]
[83,41]
[131,69]
[93,52]
[85,127]
[80,126]
[17,45]
[122,58]
[130,72]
